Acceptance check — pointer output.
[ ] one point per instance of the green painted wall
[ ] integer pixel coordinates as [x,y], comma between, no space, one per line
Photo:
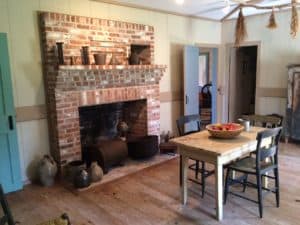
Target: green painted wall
[18,18]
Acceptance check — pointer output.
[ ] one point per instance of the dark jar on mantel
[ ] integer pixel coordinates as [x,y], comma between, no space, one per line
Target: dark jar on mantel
[60,53]
[134,59]
[85,55]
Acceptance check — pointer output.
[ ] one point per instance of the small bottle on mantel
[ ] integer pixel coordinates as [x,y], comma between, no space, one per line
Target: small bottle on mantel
[72,60]
[60,53]
[85,55]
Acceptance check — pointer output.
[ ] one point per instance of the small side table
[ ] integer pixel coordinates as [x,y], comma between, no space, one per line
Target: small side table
[167,147]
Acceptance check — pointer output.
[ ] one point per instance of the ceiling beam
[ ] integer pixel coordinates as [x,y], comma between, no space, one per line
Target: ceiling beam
[279,7]
[282,6]
[231,12]
[213,9]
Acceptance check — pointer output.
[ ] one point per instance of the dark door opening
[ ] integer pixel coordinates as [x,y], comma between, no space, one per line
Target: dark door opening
[242,82]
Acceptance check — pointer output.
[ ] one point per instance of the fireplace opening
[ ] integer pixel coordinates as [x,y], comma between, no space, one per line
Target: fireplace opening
[103,138]
[100,122]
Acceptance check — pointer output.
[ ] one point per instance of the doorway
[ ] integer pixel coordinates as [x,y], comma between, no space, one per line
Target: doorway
[208,60]
[200,75]
[242,81]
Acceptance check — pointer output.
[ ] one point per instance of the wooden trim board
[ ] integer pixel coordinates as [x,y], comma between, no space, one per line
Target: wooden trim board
[171,96]
[38,112]
[271,92]
[28,113]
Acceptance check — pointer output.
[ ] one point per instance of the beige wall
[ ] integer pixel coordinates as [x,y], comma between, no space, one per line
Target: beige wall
[19,20]
[278,49]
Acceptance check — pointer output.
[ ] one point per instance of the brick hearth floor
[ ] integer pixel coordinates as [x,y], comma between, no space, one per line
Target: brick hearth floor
[130,166]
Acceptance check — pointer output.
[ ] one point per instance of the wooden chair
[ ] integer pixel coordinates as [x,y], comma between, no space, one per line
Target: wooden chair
[271,121]
[195,121]
[258,167]
[8,219]
[267,121]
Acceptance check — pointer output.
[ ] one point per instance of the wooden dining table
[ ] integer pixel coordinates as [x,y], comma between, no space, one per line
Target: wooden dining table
[219,152]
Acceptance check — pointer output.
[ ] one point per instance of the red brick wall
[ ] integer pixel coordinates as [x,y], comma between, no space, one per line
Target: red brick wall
[111,37]
[71,86]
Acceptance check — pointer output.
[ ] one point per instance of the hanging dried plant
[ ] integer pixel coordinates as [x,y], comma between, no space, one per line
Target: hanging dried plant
[294,20]
[272,21]
[240,29]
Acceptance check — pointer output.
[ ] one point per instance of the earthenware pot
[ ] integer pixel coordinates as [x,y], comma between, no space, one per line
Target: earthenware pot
[96,172]
[47,170]
[100,58]
[114,60]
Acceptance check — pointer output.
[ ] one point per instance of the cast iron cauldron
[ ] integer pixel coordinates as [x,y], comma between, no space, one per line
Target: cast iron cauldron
[143,147]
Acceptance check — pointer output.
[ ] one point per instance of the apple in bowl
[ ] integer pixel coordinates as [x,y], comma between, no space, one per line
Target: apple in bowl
[224,130]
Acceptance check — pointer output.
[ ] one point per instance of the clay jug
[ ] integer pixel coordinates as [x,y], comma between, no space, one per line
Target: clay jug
[47,170]
[96,173]
[134,59]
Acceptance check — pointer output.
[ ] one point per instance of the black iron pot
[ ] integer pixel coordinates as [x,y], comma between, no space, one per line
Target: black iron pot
[82,179]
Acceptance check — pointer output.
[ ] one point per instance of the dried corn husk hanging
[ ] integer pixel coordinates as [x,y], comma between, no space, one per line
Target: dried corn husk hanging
[240,29]
[272,21]
[294,20]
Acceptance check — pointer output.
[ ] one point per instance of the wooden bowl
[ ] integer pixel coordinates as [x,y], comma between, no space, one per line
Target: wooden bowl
[225,134]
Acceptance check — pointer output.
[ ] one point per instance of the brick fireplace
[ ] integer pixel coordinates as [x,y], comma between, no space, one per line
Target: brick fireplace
[71,87]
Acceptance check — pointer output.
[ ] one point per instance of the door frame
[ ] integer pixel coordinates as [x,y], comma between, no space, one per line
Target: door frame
[227,74]
[219,87]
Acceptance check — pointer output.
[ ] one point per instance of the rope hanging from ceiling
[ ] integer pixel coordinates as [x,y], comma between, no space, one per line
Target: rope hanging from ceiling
[240,29]
[272,21]
[294,20]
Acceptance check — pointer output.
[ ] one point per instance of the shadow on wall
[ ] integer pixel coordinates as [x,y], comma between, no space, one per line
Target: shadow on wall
[176,79]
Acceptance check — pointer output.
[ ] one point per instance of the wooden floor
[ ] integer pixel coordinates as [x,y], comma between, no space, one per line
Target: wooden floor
[152,197]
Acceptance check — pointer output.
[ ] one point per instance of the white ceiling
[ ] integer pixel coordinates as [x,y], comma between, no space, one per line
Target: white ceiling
[210,9]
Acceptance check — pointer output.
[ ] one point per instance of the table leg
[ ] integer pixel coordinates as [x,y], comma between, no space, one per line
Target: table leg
[184,173]
[219,190]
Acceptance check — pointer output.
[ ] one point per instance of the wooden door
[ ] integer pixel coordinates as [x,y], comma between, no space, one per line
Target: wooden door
[10,176]
[191,82]
[214,91]
[232,89]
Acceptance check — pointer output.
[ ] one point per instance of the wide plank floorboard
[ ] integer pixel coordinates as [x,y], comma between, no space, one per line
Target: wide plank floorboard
[152,197]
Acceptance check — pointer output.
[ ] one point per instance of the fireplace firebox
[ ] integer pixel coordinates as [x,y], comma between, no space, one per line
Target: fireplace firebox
[100,122]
